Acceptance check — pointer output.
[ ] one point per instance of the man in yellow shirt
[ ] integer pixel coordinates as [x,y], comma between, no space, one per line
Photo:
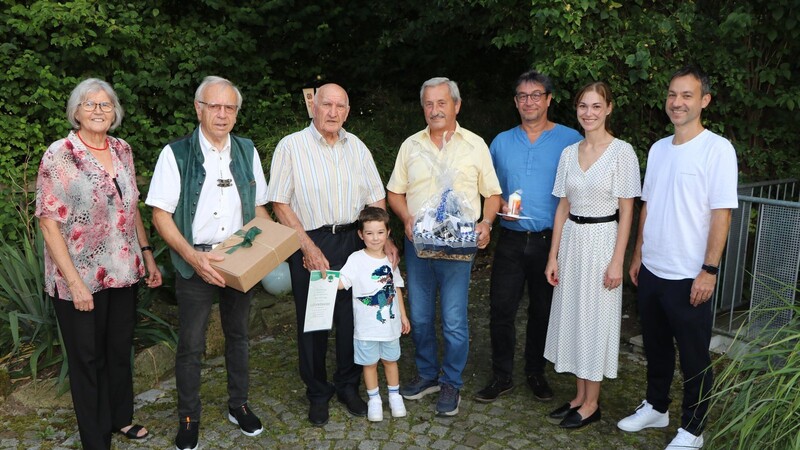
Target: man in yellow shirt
[444,143]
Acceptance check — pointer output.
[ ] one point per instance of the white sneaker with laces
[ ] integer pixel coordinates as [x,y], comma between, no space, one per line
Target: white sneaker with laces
[375,409]
[685,440]
[397,406]
[644,417]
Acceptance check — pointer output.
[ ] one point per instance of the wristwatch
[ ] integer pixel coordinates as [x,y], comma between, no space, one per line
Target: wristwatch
[713,270]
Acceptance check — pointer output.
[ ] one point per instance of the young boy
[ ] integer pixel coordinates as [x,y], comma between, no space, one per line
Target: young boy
[378,313]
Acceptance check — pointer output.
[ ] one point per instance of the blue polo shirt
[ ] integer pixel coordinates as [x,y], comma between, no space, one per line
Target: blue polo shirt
[532,168]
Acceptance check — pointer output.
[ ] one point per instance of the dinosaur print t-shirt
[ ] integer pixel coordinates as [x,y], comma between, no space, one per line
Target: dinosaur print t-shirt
[376,316]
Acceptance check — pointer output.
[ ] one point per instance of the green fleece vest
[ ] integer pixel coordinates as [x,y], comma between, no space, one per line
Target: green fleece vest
[190,160]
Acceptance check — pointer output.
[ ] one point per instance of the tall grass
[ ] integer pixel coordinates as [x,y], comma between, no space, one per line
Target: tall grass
[30,339]
[30,327]
[150,327]
[758,390]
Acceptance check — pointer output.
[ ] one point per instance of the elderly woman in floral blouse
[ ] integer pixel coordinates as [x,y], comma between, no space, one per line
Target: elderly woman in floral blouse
[96,250]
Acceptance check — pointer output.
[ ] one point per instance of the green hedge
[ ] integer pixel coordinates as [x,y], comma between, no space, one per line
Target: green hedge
[156,52]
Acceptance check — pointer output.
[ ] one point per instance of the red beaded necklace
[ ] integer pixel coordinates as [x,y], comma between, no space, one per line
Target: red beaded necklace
[100,149]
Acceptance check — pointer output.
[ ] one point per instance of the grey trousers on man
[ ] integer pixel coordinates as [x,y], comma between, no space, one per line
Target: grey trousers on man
[195,298]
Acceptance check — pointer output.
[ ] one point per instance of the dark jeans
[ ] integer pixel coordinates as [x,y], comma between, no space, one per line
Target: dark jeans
[666,313]
[312,347]
[195,298]
[99,345]
[519,258]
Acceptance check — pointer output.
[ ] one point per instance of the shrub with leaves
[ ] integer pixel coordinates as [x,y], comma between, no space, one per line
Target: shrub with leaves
[757,392]
[30,340]
[27,316]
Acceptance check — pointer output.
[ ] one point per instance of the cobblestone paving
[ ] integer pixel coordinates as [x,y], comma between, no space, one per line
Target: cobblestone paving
[277,395]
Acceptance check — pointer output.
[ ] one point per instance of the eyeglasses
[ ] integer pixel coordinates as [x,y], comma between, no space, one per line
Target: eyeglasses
[216,107]
[91,106]
[535,96]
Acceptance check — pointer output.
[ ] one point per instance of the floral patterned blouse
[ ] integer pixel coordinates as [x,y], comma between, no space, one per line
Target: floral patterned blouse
[98,220]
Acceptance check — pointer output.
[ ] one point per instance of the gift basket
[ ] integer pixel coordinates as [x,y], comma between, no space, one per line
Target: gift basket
[444,228]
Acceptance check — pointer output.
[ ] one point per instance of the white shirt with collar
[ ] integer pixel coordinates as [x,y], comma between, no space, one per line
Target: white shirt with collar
[219,209]
[324,184]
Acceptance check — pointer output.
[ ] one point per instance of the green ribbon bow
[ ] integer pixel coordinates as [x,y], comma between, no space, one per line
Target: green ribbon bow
[247,239]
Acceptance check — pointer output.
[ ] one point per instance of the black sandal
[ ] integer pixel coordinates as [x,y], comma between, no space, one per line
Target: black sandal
[133,432]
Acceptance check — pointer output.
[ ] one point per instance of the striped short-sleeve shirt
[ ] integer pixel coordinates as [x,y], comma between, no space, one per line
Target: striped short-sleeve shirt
[324,184]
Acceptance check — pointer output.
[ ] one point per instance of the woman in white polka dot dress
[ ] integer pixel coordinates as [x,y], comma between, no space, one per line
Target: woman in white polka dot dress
[597,180]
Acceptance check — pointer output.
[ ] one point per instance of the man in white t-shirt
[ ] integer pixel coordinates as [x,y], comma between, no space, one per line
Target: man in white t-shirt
[689,191]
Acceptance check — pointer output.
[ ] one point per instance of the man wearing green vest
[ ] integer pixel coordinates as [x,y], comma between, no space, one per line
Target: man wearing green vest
[204,188]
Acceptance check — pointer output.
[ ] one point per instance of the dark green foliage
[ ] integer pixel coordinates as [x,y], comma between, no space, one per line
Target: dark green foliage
[28,323]
[748,48]
[156,52]
[30,339]
[757,390]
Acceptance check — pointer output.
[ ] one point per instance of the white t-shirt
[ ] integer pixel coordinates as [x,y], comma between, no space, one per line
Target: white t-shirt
[219,209]
[682,184]
[376,317]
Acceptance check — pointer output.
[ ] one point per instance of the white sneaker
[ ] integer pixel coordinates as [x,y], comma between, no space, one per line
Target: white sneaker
[375,409]
[644,417]
[397,406]
[685,440]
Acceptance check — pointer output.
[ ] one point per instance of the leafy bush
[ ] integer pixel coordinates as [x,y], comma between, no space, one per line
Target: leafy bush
[156,52]
[758,390]
[29,322]
[150,327]
[30,338]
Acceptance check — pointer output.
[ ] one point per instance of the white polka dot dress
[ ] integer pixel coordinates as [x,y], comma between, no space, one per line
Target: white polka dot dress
[583,333]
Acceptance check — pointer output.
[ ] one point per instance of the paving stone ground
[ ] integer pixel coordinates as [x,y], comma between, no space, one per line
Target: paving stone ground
[277,395]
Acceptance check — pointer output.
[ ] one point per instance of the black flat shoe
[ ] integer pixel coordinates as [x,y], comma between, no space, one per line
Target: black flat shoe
[558,414]
[318,414]
[354,404]
[574,420]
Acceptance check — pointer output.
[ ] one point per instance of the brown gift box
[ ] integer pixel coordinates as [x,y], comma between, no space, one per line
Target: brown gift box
[246,266]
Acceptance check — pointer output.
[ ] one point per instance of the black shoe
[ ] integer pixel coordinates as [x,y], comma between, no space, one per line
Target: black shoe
[318,414]
[558,414]
[574,420]
[248,422]
[355,405]
[187,436]
[541,390]
[133,432]
[496,388]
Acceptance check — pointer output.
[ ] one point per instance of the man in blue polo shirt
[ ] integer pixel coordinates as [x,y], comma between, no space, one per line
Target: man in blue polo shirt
[525,159]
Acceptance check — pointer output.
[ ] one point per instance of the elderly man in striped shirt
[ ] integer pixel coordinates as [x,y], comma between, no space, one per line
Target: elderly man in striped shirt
[321,178]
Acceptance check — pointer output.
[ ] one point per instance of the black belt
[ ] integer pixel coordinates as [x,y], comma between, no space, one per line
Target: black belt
[336,229]
[534,234]
[205,247]
[604,219]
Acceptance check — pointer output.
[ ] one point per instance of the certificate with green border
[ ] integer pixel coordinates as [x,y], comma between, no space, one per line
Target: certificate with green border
[321,300]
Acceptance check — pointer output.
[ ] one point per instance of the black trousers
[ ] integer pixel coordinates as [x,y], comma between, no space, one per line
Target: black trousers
[665,313]
[312,347]
[519,260]
[99,345]
[195,298]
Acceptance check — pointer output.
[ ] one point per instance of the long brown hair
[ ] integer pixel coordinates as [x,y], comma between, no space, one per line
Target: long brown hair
[601,88]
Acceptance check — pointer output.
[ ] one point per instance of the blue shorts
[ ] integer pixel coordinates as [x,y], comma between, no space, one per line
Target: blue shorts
[368,353]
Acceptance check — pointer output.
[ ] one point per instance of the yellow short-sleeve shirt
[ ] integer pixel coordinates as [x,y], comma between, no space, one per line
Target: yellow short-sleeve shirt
[415,176]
